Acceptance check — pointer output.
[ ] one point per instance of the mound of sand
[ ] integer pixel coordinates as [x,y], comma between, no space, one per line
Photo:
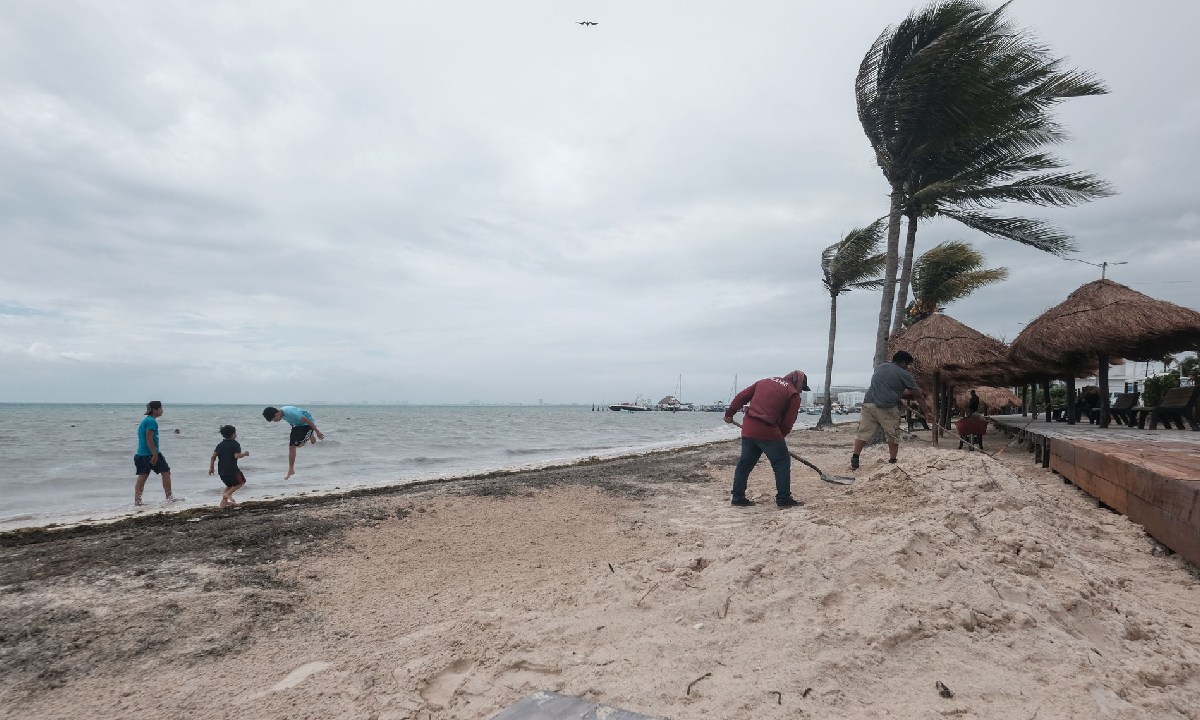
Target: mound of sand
[950,585]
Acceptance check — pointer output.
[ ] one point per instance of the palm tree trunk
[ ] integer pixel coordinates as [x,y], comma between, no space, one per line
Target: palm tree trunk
[905,274]
[889,277]
[827,411]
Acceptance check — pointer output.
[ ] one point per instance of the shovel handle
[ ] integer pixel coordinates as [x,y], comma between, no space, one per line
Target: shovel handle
[794,455]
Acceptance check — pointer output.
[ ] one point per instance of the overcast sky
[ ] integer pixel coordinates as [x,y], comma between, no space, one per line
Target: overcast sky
[463,200]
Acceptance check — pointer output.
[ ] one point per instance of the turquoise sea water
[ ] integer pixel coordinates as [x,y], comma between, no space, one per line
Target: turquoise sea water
[65,463]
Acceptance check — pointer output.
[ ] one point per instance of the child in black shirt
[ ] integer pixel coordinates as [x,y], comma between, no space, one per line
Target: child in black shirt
[227,452]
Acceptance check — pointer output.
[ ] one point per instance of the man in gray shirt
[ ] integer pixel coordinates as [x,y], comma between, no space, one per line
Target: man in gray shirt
[881,406]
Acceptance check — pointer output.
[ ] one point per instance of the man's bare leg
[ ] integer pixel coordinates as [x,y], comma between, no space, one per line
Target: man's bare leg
[138,487]
[291,461]
[166,478]
[893,448]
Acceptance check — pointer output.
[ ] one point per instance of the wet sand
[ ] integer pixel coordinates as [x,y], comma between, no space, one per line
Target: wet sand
[631,582]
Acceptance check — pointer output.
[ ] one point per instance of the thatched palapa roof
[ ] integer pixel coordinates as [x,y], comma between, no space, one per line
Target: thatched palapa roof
[941,344]
[1025,370]
[993,397]
[1106,318]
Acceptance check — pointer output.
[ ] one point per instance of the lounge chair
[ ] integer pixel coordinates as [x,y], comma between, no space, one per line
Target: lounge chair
[1178,404]
[1121,407]
[914,419]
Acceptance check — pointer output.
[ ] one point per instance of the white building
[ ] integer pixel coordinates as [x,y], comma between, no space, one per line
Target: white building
[852,398]
[1127,377]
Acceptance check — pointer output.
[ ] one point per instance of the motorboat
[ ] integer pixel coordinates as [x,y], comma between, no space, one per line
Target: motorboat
[637,406]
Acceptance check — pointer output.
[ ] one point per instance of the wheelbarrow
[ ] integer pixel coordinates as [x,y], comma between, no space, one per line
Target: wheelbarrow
[971,429]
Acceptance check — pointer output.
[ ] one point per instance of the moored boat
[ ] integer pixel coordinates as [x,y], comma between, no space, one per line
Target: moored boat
[636,406]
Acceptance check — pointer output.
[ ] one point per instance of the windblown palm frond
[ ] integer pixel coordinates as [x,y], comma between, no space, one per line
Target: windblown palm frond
[948,272]
[1034,232]
[1057,189]
[855,262]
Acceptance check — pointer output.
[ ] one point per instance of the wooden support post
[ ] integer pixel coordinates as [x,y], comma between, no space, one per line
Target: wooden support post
[944,410]
[1046,397]
[1025,400]
[937,405]
[1071,400]
[1103,390]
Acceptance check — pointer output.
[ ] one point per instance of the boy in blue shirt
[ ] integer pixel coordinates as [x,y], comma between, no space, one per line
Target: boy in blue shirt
[148,458]
[303,428]
[227,452]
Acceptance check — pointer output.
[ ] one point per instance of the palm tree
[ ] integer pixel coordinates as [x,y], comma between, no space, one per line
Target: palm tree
[853,263]
[1004,168]
[948,272]
[933,90]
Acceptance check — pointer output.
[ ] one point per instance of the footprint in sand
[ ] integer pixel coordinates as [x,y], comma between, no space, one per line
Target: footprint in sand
[524,673]
[298,675]
[440,688]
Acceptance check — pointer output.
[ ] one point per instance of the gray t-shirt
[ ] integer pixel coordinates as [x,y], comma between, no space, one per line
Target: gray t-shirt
[887,383]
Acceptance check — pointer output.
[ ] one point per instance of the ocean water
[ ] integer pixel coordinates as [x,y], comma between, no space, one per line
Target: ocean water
[67,463]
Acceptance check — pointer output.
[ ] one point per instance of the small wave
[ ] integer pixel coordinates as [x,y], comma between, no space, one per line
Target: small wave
[423,460]
[529,451]
[19,518]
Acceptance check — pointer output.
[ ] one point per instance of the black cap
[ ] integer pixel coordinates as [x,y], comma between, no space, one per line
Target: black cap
[798,378]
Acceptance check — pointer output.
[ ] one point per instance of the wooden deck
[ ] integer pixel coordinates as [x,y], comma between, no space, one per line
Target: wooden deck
[1150,476]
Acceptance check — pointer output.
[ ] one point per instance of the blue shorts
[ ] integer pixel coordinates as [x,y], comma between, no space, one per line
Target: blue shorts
[233,479]
[142,463]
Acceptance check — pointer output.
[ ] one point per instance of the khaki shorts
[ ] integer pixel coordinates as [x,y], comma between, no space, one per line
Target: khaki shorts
[874,417]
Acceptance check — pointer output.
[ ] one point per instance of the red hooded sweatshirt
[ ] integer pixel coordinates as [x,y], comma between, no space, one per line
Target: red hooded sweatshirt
[776,402]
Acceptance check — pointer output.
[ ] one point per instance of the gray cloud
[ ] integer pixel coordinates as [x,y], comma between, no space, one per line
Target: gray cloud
[383,202]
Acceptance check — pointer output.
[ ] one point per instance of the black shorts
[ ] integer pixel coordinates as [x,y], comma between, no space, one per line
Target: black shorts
[143,466]
[233,479]
[300,434]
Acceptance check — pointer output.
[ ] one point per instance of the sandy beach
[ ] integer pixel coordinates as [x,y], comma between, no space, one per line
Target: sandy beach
[950,585]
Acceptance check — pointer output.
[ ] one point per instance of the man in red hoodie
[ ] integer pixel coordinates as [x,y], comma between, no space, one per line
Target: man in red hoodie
[773,405]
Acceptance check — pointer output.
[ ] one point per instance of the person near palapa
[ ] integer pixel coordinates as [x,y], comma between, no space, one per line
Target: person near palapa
[225,457]
[881,406]
[771,408]
[973,404]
